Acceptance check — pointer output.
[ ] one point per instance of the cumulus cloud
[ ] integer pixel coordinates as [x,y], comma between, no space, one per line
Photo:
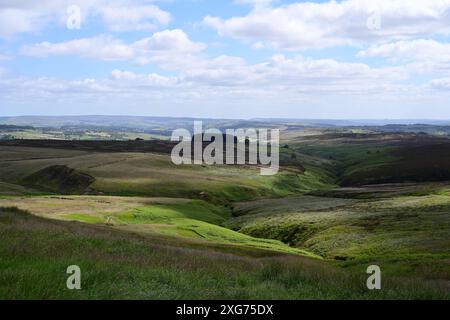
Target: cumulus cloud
[297,73]
[102,48]
[133,18]
[306,25]
[255,2]
[14,21]
[214,94]
[406,42]
[160,45]
[224,74]
[120,15]
[169,40]
[152,79]
[421,49]
[231,82]
[168,48]
[422,55]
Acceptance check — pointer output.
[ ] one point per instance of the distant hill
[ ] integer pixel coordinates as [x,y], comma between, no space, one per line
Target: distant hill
[99,120]
[10,127]
[355,122]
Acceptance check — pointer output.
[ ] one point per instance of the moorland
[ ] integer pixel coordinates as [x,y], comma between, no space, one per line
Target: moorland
[103,194]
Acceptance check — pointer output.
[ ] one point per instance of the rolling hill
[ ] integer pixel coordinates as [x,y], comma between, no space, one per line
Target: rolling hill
[145,228]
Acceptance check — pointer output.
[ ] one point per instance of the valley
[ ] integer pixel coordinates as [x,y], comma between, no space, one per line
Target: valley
[143,227]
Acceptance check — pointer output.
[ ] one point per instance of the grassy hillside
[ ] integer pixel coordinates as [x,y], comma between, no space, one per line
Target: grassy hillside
[154,175]
[184,219]
[406,235]
[142,227]
[360,159]
[117,264]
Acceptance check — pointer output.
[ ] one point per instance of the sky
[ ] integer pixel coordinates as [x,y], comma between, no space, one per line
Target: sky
[353,59]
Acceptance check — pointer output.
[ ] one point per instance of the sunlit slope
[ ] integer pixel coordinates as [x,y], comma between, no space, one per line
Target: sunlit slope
[183,219]
[116,264]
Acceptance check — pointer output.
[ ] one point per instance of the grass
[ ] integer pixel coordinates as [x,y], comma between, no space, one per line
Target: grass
[153,175]
[10,190]
[361,159]
[352,159]
[158,231]
[84,218]
[406,235]
[187,219]
[121,265]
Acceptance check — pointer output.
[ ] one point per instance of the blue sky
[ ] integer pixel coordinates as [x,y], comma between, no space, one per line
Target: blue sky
[234,59]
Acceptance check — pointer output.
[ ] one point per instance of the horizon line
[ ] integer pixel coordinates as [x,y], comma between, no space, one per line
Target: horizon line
[224,118]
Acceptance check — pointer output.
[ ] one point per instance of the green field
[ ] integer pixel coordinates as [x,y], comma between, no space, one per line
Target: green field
[189,220]
[94,134]
[118,264]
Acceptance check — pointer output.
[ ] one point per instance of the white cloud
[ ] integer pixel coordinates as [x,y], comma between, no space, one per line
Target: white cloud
[225,85]
[220,95]
[119,15]
[169,41]
[168,44]
[421,49]
[224,75]
[292,74]
[306,25]
[102,48]
[152,79]
[422,55]
[130,18]
[14,21]
[255,2]
[195,79]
